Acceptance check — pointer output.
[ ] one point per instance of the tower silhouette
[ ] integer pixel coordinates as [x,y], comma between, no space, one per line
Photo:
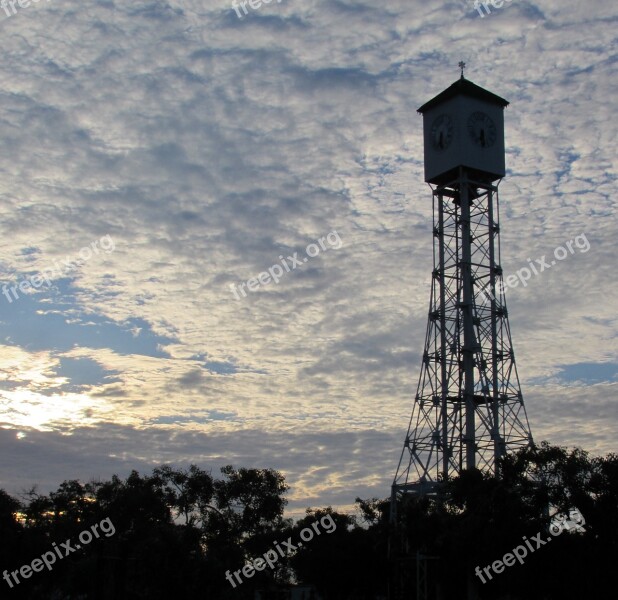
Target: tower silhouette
[468,410]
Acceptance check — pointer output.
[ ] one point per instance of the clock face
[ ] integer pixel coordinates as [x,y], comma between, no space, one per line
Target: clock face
[482,129]
[442,132]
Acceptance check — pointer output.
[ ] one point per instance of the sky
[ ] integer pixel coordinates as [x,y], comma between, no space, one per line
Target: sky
[157,156]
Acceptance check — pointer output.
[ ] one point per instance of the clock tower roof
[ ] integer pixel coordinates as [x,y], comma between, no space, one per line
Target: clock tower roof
[463,87]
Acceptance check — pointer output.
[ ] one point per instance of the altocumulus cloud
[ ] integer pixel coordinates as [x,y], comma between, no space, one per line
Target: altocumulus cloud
[205,145]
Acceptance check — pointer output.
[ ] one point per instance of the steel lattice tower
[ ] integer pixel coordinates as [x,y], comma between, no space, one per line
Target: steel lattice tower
[468,410]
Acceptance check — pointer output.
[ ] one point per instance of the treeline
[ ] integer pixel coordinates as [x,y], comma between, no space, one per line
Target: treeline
[544,493]
[176,534]
[171,534]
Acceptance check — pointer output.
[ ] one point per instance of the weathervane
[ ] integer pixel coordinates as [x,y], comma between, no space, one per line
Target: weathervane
[462,66]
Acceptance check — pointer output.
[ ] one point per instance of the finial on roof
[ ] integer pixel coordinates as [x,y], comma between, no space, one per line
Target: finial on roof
[462,66]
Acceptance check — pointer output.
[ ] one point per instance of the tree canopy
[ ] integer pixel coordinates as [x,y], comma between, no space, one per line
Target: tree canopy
[183,533]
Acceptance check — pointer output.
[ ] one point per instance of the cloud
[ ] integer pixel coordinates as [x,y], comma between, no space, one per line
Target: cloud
[207,146]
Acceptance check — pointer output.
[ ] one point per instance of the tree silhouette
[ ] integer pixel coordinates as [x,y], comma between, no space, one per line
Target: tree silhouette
[177,532]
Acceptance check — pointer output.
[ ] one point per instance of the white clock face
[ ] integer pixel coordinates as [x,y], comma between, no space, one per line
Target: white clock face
[442,132]
[482,129]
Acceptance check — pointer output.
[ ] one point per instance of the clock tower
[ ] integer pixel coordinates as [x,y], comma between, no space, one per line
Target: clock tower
[463,127]
[468,411]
